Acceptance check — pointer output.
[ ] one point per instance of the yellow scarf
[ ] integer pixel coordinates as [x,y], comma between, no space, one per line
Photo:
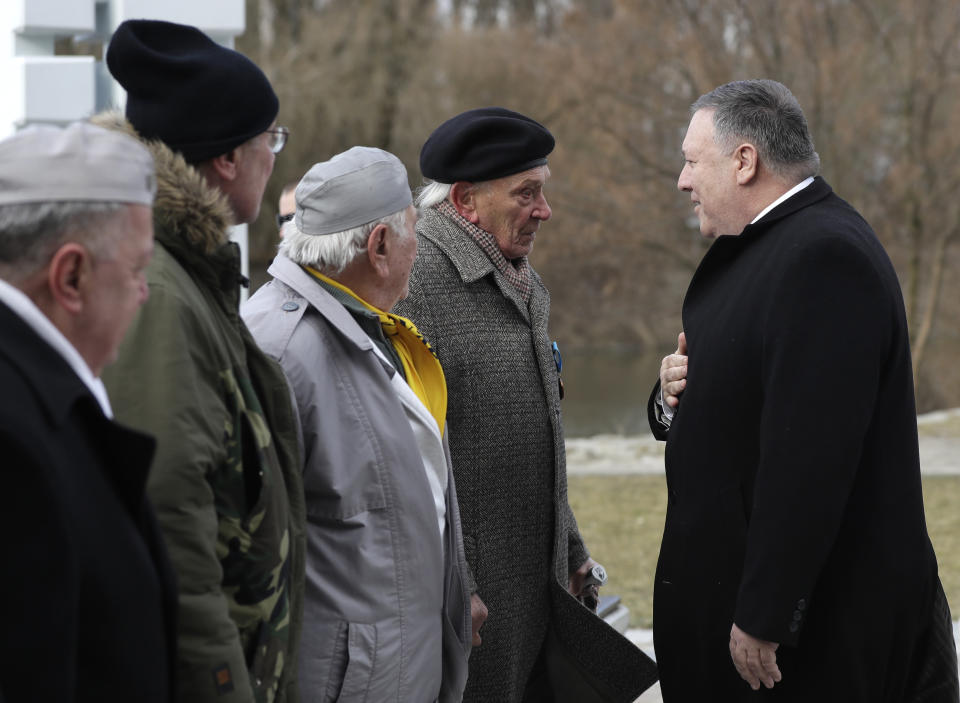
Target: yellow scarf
[420,364]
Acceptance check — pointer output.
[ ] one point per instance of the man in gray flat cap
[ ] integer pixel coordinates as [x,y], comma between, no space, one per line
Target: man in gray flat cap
[386,613]
[485,310]
[88,601]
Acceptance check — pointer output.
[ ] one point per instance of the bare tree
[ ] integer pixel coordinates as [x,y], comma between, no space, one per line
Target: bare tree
[613,79]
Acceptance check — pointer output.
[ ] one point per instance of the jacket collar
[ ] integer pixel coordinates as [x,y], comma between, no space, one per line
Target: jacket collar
[124,454]
[815,192]
[469,259]
[191,218]
[290,273]
[727,247]
[56,385]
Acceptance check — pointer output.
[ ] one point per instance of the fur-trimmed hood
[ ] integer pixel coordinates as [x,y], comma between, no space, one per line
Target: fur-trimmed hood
[186,207]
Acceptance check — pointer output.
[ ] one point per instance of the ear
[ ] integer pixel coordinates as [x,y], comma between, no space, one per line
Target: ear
[227,166]
[378,248]
[463,195]
[67,276]
[747,163]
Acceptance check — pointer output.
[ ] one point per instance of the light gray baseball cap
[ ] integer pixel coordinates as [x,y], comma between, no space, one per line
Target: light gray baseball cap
[353,188]
[80,162]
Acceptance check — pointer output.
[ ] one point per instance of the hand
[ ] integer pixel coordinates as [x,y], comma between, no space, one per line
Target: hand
[673,373]
[478,614]
[755,660]
[575,586]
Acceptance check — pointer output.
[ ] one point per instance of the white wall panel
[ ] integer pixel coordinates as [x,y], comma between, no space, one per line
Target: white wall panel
[47,16]
[224,18]
[57,88]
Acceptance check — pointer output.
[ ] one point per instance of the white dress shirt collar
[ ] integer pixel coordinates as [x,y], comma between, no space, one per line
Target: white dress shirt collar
[25,308]
[790,193]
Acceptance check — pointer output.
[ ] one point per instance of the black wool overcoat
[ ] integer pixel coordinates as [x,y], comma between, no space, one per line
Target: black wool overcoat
[87,594]
[794,495]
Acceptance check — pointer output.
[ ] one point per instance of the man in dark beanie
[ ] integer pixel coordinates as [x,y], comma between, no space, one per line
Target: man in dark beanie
[226,482]
[483,308]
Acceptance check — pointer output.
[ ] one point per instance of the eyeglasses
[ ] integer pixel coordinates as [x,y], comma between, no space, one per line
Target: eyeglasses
[283,219]
[277,139]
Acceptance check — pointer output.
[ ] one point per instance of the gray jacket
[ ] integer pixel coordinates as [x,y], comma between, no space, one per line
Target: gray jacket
[387,610]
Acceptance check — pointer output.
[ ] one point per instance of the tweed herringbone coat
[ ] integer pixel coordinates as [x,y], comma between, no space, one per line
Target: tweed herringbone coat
[506,439]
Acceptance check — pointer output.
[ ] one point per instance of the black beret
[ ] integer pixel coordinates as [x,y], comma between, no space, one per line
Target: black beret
[484,144]
[183,88]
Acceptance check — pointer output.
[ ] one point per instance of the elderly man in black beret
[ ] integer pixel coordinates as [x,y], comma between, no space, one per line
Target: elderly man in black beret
[484,309]
[226,481]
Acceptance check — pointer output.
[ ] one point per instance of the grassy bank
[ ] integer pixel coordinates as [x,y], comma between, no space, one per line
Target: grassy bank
[621,518]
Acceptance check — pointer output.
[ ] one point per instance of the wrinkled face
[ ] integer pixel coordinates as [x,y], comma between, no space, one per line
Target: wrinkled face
[254,166]
[404,252]
[710,177]
[512,208]
[117,284]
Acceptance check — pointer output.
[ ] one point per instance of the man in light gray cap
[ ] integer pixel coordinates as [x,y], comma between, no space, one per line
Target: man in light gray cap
[88,602]
[386,613]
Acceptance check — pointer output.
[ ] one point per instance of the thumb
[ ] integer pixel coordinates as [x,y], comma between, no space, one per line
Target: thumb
[682,343]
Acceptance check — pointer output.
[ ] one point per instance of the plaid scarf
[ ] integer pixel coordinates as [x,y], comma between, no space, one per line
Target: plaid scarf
[516,271]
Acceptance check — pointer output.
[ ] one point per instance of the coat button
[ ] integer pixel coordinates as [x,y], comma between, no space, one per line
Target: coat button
[801,604]
[797,616]
[290,306]
[793,627]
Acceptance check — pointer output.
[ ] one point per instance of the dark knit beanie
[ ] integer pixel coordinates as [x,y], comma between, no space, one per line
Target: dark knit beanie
[484,144]
[197,97]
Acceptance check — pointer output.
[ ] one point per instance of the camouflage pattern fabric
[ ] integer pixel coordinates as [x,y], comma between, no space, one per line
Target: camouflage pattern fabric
[226,480]
[246,490]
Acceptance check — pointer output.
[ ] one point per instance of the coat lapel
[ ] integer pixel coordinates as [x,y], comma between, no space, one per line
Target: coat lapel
[468,258]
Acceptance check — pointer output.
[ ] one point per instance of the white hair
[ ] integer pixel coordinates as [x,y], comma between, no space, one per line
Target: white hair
[432,193]
[333,252]
[30,233]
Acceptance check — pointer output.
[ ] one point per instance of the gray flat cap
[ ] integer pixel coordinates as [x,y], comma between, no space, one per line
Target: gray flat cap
[360,185]
[78,163]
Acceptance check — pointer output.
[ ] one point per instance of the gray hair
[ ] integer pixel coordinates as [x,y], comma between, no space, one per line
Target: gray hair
[434,192]
[332,253]
[431,194]
[30,233]
[766,114]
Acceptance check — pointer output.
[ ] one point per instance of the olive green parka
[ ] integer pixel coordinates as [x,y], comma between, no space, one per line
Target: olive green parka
[226,480]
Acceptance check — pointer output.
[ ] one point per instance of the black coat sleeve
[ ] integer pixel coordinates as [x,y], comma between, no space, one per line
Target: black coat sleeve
[825,335]
[40,587]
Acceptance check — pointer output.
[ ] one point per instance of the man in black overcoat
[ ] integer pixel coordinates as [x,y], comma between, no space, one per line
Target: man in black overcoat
[87,595]
[795,563]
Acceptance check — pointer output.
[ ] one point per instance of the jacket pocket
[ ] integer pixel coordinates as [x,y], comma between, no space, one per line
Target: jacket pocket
[455,655]
[352,663]
[252,463]
[339,487]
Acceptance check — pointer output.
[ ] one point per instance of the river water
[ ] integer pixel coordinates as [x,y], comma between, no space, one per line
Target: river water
[606,392]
